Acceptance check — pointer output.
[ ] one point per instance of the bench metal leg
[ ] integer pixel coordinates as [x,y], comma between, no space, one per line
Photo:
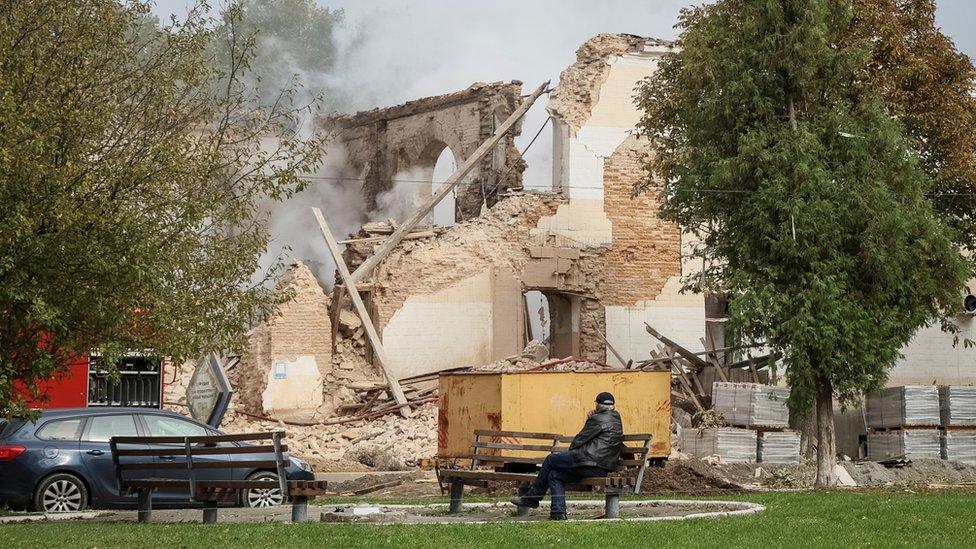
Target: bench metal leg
[299,508]
[209,512]
[145,505]
[522,510]
[612,509]
[457,492]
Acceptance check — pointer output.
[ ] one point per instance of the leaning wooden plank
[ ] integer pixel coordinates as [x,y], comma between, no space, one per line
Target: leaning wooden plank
[685,353]
[421,213]
[714,361]
[624,363]
[374,338]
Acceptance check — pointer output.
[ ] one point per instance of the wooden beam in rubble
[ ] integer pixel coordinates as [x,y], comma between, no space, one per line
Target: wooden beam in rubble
[357,301]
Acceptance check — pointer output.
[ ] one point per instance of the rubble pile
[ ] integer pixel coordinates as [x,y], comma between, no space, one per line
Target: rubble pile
[388,442]
[535,357]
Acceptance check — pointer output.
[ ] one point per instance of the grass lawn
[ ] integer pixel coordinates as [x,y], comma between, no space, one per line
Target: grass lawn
[835,519]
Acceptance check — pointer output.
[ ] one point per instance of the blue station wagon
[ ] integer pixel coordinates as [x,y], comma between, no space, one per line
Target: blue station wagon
[62,462]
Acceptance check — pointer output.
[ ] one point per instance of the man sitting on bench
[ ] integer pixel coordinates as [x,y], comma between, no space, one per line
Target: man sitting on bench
[594,452]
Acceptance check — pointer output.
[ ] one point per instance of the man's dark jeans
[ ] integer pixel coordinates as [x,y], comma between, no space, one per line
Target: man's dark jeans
[558,471]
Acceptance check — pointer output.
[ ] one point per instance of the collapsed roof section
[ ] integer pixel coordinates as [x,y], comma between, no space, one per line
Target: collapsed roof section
[405,141]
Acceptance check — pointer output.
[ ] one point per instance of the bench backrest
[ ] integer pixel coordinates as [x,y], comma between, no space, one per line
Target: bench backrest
[489,445]
[195,446]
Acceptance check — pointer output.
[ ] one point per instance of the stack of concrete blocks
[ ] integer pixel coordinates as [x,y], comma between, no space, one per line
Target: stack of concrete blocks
[910,405]
[903,423]
[731,444]
[958,406]
[904,443]
[779,447]
[751,405]
[758,417]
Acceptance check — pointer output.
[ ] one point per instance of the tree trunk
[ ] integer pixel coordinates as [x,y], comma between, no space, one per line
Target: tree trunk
[826,451]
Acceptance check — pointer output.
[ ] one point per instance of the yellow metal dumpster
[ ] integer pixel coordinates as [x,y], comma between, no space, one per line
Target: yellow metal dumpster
[548,402]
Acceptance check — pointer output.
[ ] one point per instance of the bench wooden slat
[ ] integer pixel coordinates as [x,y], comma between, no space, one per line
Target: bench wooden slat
[504,446]
[515,434]
[193,439]
[201,451]
[507,459]
[307,487]
[488,475]
[517,477]
[201,465]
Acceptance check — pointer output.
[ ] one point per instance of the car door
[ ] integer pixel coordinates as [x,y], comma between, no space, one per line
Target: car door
[96,454]
[169,426]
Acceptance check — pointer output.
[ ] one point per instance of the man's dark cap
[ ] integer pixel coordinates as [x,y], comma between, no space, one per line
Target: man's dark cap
[604,398]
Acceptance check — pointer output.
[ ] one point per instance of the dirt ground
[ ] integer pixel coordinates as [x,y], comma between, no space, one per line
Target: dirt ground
[695,477]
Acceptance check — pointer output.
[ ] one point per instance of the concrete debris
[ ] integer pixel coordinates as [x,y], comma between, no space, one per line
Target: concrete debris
[536,350]
[708,419]
[389,442]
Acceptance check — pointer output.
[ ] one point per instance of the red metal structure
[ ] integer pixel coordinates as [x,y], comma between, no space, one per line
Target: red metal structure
[85,384]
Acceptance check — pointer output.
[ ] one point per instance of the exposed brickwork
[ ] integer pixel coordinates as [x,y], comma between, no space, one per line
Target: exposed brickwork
[300,327]
[646,249]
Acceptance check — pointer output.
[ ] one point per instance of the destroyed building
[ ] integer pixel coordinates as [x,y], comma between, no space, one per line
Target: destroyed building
[596,262]
[409,138]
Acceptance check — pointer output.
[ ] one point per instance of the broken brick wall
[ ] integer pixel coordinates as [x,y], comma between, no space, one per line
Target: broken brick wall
[408,139]
[298,333]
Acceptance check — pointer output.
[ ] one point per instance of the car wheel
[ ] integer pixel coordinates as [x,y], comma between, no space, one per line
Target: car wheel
[61,493]
[264,497]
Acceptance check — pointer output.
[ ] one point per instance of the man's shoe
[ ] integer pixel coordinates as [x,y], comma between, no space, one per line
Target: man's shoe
[557,516]
[532,503]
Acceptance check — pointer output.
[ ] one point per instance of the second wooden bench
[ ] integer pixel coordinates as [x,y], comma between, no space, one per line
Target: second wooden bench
[522,469]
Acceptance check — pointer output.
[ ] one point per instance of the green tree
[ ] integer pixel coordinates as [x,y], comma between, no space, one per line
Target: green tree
[129,187]
[930,84]
[814,208]
[293,46]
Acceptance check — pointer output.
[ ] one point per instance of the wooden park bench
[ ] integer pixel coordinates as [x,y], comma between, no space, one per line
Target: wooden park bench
[522,470]
[209,492]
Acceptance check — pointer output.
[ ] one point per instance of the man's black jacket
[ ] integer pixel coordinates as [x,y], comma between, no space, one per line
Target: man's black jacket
[598,444]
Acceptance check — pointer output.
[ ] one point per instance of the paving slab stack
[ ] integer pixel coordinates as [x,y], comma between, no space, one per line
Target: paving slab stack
[957,404]
[731,444]
[759,419]
[922,422]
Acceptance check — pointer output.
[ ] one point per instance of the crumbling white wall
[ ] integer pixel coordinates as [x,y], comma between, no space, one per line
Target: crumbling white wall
[580,153]
[471,322]
[594,115]
[294,384]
